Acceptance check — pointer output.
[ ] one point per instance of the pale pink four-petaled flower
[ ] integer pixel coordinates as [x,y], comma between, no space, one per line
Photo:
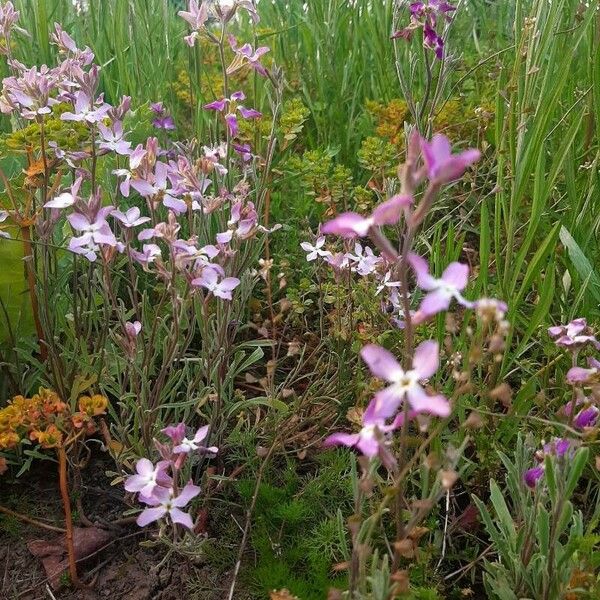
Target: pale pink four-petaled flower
[440,292]
[220,287]
[316,250]
[405,385]
[163,502]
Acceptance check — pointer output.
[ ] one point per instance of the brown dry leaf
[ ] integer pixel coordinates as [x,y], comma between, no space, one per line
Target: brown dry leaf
[405,548]
[53,554]
[502,393]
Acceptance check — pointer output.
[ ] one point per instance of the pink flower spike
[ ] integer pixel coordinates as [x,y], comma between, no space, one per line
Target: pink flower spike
[442,165]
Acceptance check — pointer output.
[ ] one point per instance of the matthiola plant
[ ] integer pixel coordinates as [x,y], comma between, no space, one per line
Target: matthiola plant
[153,240]
[409,399]
[159,486]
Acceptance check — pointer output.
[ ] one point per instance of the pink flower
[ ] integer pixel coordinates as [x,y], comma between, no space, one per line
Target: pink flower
[148,477]
[196,16]
[133,329]
[84,110]
[185,446]
[232,106]
[579,375]
[163,502]
[112,138]
[405,384]
[575,334]
[131,218]
[247,55]
[373,438]
[365,261]
[158,187]
[175,432]
[352,225]
[386,283]
[315,251]
[95,233]
[440,291]
[443,166]
[209,279]
[66,199]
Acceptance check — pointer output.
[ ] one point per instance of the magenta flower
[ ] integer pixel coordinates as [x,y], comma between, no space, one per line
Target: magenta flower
[315,251]
[440,291]
[163,502]
[443,166]
[130,218]
[405,385]
[352,225]
[185,446]
[148,477]
[533,475]
[558,447]
[575,334]
[586,417]
[209,279]
[175,432]
[165,122]
[231,104]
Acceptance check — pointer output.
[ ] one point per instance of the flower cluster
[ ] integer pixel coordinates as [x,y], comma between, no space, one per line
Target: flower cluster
[200,15]
[171,183]
[157,485]
[406,395]
[581,411]
[46,419]
[426,16]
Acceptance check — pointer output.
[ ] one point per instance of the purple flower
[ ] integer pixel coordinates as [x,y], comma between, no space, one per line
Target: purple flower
[66,199]
[365,261]
[440,291]
[586,417]
[315,251]
[443,166]
[185,446]
[575,334]
[352,225]
[558,447]
[94,233]
[533,475]
[164,502]
[373,438]
[232,105]
[84,110]
[157,108]
[405,384]
[149,254]
[133,329]
[131,218]
[158,189]
[209,279]
[167,123]
[246,55]
[112,138]
[148,477]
